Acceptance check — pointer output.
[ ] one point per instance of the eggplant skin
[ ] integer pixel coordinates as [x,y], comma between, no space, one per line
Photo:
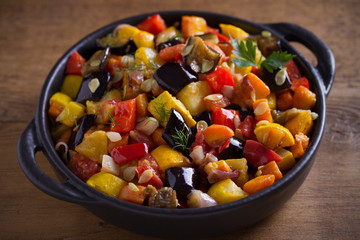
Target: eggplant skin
[182,179]
[85,92]
[235,149]
[85,124]
[173,77]
[176,124]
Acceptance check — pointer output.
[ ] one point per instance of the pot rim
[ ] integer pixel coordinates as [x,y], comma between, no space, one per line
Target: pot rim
[43,126]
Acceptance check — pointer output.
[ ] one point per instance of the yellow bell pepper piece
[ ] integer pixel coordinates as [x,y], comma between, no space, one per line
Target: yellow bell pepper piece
[144,39]
[107,183]
[226,191]
[148,56]
[72,112]
[193,25]
[233,32]
[167,157]
[219,165]
[60,98]
[112,94]
[71,85]
[274,135]
[94,146]
[288,160]
[161,106]
[126,31]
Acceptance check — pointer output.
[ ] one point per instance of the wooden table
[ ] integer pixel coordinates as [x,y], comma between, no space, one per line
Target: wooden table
[34,34]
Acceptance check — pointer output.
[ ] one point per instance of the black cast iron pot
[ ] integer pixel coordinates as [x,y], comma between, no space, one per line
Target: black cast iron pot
[178,222]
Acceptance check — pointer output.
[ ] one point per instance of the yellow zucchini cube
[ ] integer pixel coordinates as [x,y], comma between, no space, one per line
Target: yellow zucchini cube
[144,39]
[219,165]
[148,56]
[126,31]
[71,85]
[60,98]
[302,122]
[94,146]
[161,106]
[72,112]
[107,183]
[192,96]
[288,160]
[226,191]
[233,32]
[167,157]
[241,165]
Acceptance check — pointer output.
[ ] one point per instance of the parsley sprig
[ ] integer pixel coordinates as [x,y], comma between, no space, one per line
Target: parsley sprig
[245,53]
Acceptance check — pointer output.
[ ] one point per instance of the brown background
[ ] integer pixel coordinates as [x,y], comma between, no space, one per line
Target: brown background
[34,34]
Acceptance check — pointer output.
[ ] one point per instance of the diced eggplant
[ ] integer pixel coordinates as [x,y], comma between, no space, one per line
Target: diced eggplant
[199,57]
[97,62]
[171,42]
[268,43]
[182,179]
[234,150]
[177,134]
[173,77]
[210,37]
[118,46]
[276,81]
[204,116]
[93,86]
[85,124]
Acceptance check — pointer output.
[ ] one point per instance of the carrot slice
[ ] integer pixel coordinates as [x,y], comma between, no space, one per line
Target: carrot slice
[271,168]
[259,183]
[216,135]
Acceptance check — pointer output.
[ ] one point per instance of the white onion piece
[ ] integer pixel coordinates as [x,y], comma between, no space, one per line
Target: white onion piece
[147,126]
[108,165]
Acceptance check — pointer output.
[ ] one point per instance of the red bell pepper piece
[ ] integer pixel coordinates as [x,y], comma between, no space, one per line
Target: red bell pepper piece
[292,70]
[148,162]
[299,82]
[218,79]
[153,24]
[127,153]
[75,64]
[257,154]
[225,117]
[124,119]
[221,38]
[247,127]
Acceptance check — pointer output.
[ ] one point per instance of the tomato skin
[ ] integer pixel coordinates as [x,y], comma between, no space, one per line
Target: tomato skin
[218,79]
[303,81]
[125,116]
[170,54]
[153,24]
[75,64]
[257,154]
[224,117]
[292,70]
[83,167]
[127,153]
[247,127]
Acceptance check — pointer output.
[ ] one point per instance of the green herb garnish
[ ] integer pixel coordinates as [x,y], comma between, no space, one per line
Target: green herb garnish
[161,109]
[112,119]
[245,53]
[180,139]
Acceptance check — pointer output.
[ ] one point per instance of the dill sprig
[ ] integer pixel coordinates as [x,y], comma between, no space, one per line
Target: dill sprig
[112,119]
[160,108]
[75,121]
[180,138]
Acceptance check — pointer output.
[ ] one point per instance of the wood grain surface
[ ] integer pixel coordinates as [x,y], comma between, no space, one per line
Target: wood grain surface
[35,33]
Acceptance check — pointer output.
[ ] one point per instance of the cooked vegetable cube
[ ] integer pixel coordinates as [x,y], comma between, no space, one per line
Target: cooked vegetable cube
[72,112]
[216,135]
[270,168]
[133,193]
[167,157]
[259,183]
[94,146]
[288,160]
[241,165]
[233,32]
[226,191]
[144,39]
[71,85]
[106,183]
[60,98]
[192,96]
[148,56]
[160,108]
[304,98]
[182,179]
[273,135]
[301,144]
[302,122]
[193,25]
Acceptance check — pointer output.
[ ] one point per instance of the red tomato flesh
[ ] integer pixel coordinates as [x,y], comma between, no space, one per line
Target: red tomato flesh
[125,116]
[75,64]
[153,24]
[257,154]
[224,117]
[218,79]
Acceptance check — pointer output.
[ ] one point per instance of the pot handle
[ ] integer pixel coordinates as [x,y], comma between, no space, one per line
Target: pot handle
[27,146]
[325,57]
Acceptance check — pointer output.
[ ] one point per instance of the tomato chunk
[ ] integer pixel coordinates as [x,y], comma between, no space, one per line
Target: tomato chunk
[257,154]
[125,116]
[153,24]
[247,127]
[83,167]
[75,64]
[224,117]
[292,70]
[303,81]
[127,153]
[218,79]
